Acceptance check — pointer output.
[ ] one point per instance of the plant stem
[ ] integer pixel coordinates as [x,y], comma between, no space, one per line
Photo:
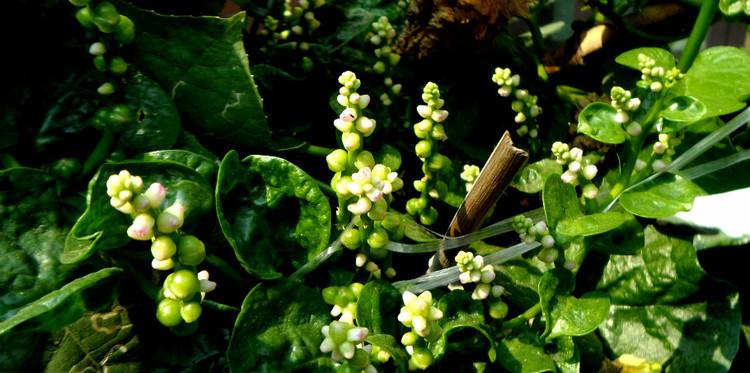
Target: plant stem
[316,150]
[99,153]
[700,30]
[220,306]
[522,318]
[226,269]
[8,160]
[325,188]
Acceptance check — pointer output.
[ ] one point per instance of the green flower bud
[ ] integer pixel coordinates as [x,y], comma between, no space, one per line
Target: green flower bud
[83,16]
[190,312]
[498,310]
[97,49]
[106,89]
[330,293]
[352,141]
[192,251]
[360,360]
[394,58]
[409,339]
[351,238]
[125,30]
[79,3]
[106,17]
[142,228]
[364,159]
[171,219]
[162,265]
[412,206]
[337,160]
[423,149]
[438,132]
[168,312]
[307,64]
[392,222]
[118,66]
[100,63]
[183,284]
[120,114]
[378,238]
[421,358]
[163,248]
[438,162]
[428,217]
[379,67]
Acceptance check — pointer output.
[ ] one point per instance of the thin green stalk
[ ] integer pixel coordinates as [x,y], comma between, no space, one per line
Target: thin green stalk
[537,40]
[700,30]
[100,152]
[8,160]
[523,318]
[316,150]
[226,269]
[325,188]
[220,306]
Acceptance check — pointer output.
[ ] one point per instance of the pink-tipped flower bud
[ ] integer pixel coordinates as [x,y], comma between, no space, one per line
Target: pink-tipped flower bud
[142,228]
[155,194]
[172,218]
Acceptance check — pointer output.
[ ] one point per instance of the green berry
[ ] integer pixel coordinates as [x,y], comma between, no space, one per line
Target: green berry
[429,216]
[119,115]
[379,67]
[351,238]
[100,63]
[360,360]
[378,238]
[163,248]
[125,30]
[337,160]
[184,284]
[392,222]
[190,312]
[330,293]
[412,206]
[423,149]
[83,16]
[409,338]
[192,251]
[421,358]
[438,162]
[106,89]
[168,312]
[106,17]
[498,310]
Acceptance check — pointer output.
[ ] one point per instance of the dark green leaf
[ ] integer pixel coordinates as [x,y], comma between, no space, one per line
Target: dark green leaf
[531,178]
[524,353]
[597,120]
[665,271]
[566,315]
[697,337]
[663,197]
[156,123]
[627,239]
[62,306]
[20,351]
[461,312]
[718,79]
[566,355]
[205,166]
[102,227]
[205,70]
[272,213]
[560,202]
[520,278]
[683,109]
[389,344]
[589,225]
[663,57]
[378,307]
[278,329]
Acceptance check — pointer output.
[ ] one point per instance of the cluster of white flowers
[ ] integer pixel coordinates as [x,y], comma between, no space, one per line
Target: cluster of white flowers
[473,270]
[664,148]
[530,232]
[655,77]
[345,342]
[470,175]
[524,104]
[624,102]
[422,316]
[578,170]
[381,37]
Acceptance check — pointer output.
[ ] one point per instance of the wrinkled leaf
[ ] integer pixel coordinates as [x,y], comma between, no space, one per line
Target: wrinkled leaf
[61,307]
[589,225]
[663,197]
[718,79]
[272,213]
[205,70]
[531,178]
[378,307]
[156,123]
[663,57]
[597,120]
[205,166]
[278,328]
[520,278]
[524,353]
[626,239]
[461,312]
[566,315]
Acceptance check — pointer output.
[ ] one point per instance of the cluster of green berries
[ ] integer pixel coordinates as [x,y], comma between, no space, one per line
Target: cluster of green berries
[170,248]
[104,17]
[624,102]
[470,175]
[530,232]
[655,77]
[364,187]
[345,342]
[430,131]
[579,170]
[344,301]
[381,37]
[419,314]
[523,104]
[298,23]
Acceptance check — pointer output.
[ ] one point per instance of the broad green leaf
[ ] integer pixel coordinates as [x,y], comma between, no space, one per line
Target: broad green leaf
[378,307]
[597,120]
[718,79]
[201,62]
[272,213]
[524,353]
[695,337]
[278,328]
[63,306]
[560,202]
[388,343]
[663,197]
[520,278]
[734,7]
[663,58]
[567,315]
[203,165]
[156,123]
[589,225]
[665,271]
[626,239]
[531,178]
[101,227]
[96,341]
[461,312]
[684,110]
[566,355]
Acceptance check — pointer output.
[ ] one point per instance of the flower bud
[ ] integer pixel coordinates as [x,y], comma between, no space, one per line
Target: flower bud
[633,129]
[365,125]
[163,248]
[424,111]
[438,132]
[106,89]
[421,358]
[589,172]
[97,49]
[125,30]
[337,160]
[590,191]
[362,206]
[142,228]
[352,141]
[351,238]
[155,194]
[423,126]
[191,250]
[206,285]
[348,115]
[83,16]
[360,260]
[423,149]
[396,89]
[190,312]
[342,125]
[378,238]
[481,291]
[364,101]
[168,312]
[439,115]
[162,265]
[498,310]
[548,241]
[171,219]
[621,117]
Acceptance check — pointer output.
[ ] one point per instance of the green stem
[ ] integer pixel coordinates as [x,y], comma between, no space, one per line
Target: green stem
[523,318]
[700,30]
[226,269]
[325,188]
[9,161]
[220,306]
[100,152]
[320,151]
[538,41]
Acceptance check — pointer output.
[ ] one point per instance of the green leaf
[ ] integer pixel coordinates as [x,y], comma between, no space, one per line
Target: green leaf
[597,120]
[96,341]
[663,58]
[627,239]
[696,337]
[62,306]
[560,202]
[665,271]
[531,178]
[524,353]
[589,225]
[21,351]
[520,278]
[718,79]
[203,165]
[661,198]
[415,231]
[101,227]
[566,355]
[378,307]
[272,213]
[684,110]
[461,312]
[389,156]
[156,123]
[278,328]
[566,315]
[389,344]
[205,70]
